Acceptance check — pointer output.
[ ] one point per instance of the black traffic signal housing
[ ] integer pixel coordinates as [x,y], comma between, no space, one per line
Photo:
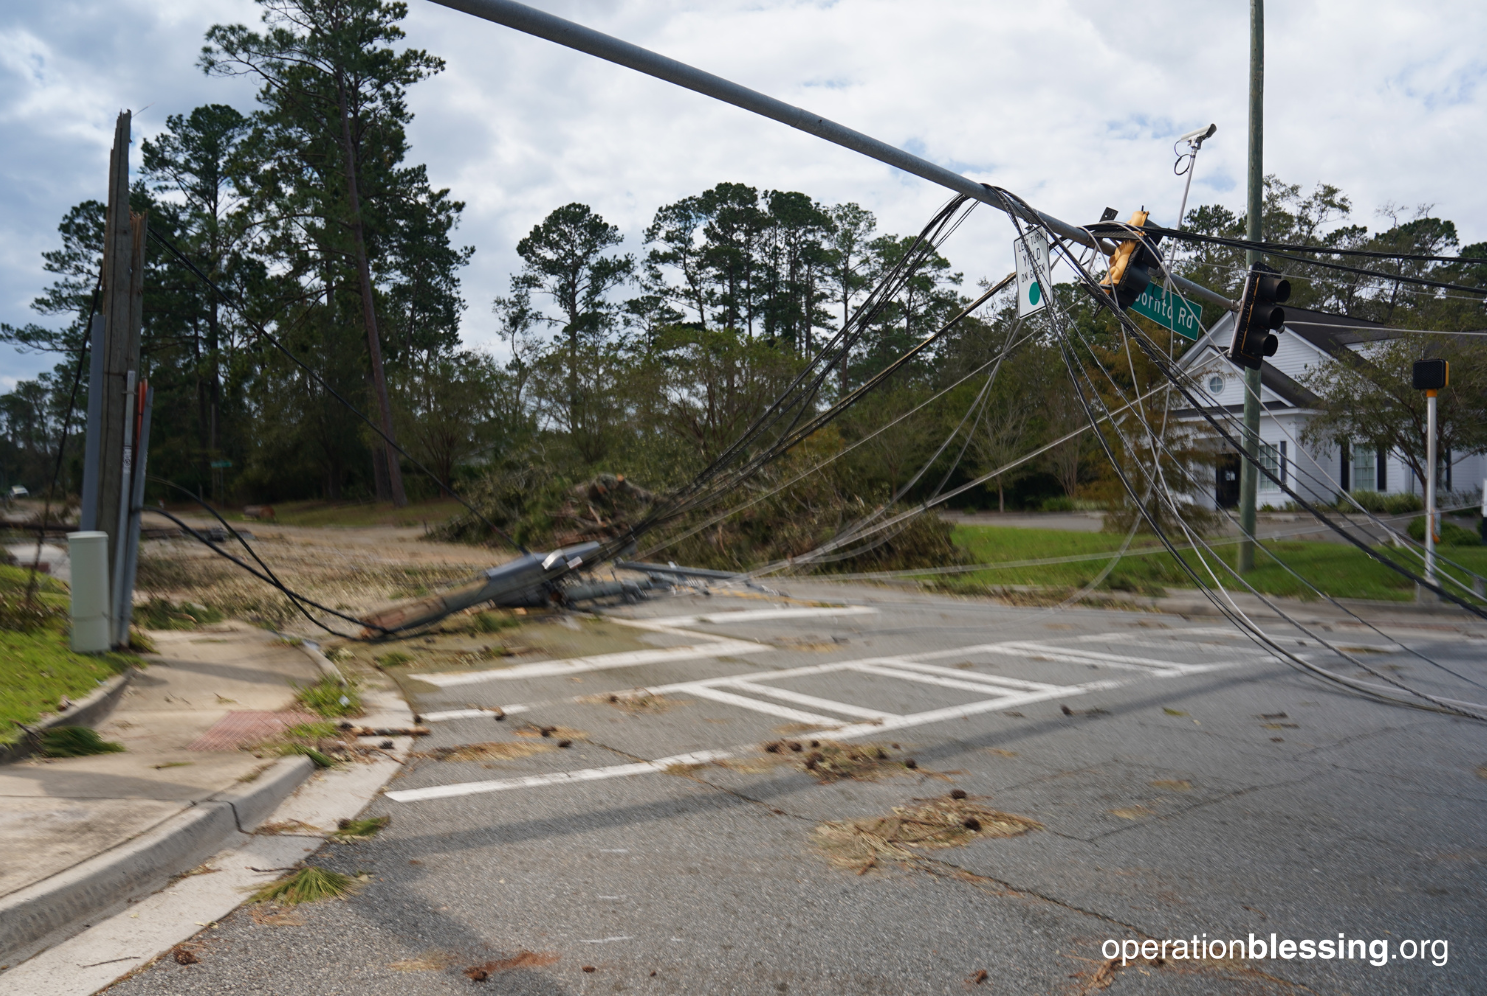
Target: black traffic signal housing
[1431,375]
[1259,316]
[1130,266]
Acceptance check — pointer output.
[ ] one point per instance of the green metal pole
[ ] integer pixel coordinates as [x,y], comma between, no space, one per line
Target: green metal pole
[1248,479]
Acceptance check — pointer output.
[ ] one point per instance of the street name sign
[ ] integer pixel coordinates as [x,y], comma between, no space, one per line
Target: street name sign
[1167,310]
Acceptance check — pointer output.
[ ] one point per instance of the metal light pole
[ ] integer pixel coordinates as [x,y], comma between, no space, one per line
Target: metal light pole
[1248,476]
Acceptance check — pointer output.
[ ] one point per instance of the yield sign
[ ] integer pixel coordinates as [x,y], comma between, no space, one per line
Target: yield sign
[1031,252]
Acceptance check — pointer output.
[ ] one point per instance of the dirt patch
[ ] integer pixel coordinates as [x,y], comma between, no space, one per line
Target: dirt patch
[489,751]
[1173,785]
[860,845]
[522,959]
[432,960]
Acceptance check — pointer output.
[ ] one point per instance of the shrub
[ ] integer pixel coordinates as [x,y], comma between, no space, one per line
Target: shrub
[1387,504]
[1450,533]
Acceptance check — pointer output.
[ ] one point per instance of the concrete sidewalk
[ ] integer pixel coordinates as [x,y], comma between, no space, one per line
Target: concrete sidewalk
[181,784]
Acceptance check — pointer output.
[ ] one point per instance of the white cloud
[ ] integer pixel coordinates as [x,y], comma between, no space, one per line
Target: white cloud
[1073,104]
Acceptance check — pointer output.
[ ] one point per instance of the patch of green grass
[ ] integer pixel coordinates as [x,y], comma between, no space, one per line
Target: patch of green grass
[76,741]
[363,829]
[38,667]
[308,885]
[330,698]
[493,622]
[312,731]
[161,613]
[1337,569]
[320,513]
[394,658]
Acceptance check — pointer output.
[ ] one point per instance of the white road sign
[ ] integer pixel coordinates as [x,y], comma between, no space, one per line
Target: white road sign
[1032,296]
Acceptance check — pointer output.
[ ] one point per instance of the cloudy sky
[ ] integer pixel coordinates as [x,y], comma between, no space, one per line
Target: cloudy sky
[1074,104]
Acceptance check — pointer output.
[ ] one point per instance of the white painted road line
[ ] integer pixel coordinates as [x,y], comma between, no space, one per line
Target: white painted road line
[601,662]
[1068,656]
[731,616]
[1001,681]
[783,712]
[556,778]
[706,756]
[785,695]
[884,671]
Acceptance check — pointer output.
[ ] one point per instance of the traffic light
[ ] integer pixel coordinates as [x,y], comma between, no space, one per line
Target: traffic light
[1259,314]
[1431,375]
[1130,266]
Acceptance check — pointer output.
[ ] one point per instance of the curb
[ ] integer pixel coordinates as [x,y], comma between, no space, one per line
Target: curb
[46,912]
[325,664]
[85,712]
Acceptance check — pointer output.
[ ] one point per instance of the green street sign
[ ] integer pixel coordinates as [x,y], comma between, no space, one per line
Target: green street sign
[221,464]
[1169,311]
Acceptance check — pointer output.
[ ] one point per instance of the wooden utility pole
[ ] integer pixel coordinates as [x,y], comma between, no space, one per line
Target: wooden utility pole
[1249,477]
[122,309]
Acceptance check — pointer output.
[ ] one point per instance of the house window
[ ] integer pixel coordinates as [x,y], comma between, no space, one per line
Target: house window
[1365,476]
[1381,459]
[1215,385]
[1271,460]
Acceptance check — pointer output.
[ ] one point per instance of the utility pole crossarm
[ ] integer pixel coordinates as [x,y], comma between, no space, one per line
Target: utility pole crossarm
[576,36]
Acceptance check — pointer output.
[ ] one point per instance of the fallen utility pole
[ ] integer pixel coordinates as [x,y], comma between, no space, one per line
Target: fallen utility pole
[576,36]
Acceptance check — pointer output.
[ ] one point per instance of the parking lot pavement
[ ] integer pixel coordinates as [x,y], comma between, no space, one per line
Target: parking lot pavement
[1182,784]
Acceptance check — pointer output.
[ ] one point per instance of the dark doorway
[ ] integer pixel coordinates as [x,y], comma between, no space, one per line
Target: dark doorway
[1226,481]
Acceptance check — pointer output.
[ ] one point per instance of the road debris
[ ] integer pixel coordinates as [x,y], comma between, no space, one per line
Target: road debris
[551,732]
[638,703]
[385,731]
[862,844]
[184,955]
[308,885]
[350,831]
[522,959]
[488,751]
[978,978]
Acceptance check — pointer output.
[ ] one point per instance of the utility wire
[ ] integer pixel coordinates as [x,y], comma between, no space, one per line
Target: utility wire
[1188,235]
[295,598]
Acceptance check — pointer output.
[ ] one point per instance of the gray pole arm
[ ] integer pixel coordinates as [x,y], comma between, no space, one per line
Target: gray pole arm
[595,43]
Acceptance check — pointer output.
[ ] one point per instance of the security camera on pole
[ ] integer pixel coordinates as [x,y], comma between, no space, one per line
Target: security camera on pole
[1430,376]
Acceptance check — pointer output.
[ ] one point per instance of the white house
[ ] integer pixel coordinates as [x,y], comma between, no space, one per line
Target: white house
[1317,473]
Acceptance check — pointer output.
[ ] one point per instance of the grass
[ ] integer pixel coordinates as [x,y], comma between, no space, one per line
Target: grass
[1337,569]
[161,613]
[330,698]
[37,666]
[362,514]
[308,885]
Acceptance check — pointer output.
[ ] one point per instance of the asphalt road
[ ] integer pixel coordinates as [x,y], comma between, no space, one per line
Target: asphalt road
[1194,786]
